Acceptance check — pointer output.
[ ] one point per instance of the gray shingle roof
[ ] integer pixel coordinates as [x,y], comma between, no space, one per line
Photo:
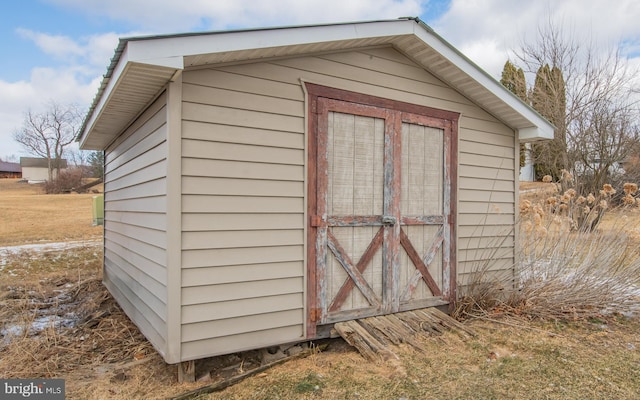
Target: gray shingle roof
[35,162]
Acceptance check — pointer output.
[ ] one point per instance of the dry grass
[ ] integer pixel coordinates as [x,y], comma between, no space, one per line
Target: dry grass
[28,216]
[56,317]
[105,357]
[58,320]
[523,360]
[538,188]
[102,355]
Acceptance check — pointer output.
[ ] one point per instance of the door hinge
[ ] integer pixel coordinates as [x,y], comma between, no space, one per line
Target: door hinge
[316,220]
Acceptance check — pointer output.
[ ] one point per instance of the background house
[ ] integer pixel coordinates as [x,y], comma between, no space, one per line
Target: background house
[10,170]
[36,170]
[261,185]
[527,171]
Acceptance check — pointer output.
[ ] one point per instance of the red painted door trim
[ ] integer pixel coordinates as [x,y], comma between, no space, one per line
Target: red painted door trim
[318,98]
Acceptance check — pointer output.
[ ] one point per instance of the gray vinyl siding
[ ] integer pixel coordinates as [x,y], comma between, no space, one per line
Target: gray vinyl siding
[243,175]
[135,222]
[243,217]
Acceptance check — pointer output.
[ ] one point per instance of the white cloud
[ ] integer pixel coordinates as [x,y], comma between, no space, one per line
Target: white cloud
[45,84]
[75,79]
[490,29]
[91,51]
[170,15]
[99,48]
[55,45]
[488,53]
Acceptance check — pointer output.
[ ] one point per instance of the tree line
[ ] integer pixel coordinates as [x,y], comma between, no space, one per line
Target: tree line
[591,95]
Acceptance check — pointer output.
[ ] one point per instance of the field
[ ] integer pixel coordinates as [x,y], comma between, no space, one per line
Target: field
[28,216]
[59,321]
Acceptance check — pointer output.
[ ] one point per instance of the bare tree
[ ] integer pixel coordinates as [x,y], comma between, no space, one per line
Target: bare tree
[48,134]
[601,113]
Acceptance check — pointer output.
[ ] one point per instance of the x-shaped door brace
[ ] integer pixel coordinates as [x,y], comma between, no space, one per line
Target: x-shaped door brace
[355,272]
[422,272]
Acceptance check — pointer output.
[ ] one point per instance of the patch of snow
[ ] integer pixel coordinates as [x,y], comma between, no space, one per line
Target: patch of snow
[49,316]
[39,324]
[42,247]
[7,251]
[625,297]
[11,330]
[52,313]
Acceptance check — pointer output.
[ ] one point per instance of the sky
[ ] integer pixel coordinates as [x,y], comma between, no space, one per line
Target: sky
[58,50]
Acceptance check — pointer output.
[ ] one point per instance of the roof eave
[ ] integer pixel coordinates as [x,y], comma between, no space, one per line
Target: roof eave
[162,56]
[534,134]
[168,52]
[534,128]
[130,66]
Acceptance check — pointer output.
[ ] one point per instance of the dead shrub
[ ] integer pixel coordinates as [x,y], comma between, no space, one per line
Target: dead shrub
[65,182]
[565,268]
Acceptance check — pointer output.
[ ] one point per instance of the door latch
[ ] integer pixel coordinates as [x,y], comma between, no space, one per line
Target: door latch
[388,220]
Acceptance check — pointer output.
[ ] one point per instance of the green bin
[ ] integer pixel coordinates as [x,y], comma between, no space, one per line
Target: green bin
[98,210]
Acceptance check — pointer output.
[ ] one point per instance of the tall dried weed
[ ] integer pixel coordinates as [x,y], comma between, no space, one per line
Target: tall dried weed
[576,258]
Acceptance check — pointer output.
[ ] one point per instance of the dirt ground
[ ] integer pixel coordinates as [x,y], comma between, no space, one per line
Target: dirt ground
[57,320]
[72,329]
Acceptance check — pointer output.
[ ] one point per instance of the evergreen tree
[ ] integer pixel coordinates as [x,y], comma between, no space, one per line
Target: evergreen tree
[96,163]
[514,80]
[549,99]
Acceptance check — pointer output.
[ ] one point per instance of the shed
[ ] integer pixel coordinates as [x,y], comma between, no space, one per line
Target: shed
[36,169]
[261,185]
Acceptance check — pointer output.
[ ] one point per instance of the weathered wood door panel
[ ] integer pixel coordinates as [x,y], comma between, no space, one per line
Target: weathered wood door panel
[423,196]
[355,181]
[380,210]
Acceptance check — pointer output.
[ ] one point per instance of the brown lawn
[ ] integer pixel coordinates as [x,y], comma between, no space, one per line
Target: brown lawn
[27,215]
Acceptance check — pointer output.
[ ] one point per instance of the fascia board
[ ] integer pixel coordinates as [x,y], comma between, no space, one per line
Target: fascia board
[543,127]
[170,52]
[117,73]
[183,46]
[127,58]
[535,133]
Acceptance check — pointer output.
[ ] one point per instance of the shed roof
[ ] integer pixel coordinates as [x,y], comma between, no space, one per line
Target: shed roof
[142,66]
[36,162]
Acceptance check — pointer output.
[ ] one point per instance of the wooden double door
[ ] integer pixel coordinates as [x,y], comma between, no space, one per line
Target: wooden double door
[380,207]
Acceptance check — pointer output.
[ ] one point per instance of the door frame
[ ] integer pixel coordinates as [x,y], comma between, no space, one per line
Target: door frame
[446,119]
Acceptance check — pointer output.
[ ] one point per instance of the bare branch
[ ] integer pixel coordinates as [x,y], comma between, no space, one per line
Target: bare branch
[49,133]
[600,118]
